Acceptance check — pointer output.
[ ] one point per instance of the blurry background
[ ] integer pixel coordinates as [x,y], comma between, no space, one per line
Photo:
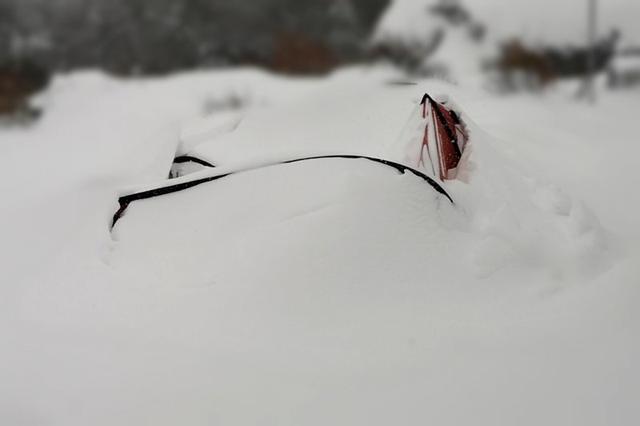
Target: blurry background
[326,294]
[521,44]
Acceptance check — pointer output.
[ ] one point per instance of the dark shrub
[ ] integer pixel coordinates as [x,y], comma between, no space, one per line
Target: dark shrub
[18,81]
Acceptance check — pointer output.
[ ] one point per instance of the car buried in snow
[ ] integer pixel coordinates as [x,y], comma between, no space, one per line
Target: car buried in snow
[433,152]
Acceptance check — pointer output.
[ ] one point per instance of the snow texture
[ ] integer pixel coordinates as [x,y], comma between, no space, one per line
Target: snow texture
[325,292]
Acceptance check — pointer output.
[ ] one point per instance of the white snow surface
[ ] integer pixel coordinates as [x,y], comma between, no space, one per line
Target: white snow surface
[324,292]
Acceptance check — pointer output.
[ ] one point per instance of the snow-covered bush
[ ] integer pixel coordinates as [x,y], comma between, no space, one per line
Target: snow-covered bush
[442,40]
[409,54]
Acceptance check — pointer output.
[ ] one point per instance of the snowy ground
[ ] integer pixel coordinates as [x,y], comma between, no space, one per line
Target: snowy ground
[326,293]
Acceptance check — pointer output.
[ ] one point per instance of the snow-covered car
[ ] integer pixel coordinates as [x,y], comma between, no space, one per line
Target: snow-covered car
[433,152]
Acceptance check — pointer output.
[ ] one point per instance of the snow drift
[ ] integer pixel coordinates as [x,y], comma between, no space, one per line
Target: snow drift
[321,292]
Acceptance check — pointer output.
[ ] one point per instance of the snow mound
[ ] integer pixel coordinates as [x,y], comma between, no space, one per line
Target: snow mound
[516,221]
[503,219]
[520,222]
[455,49]
[332,218]
[323,292]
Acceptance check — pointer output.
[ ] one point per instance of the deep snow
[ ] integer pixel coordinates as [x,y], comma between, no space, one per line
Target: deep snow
[329,292]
